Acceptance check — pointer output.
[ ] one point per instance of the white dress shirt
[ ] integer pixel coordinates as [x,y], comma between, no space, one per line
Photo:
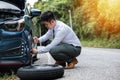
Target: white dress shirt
[63,34]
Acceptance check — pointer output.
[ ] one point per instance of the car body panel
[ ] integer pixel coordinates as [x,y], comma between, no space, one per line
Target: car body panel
[15,33]
[19,3]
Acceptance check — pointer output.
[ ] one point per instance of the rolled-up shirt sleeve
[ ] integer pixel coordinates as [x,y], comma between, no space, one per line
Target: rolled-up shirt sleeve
[59,36]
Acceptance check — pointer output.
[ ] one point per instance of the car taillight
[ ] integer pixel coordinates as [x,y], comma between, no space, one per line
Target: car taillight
[14,25]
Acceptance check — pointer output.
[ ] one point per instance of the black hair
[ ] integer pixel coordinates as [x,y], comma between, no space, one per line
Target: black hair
[47,16]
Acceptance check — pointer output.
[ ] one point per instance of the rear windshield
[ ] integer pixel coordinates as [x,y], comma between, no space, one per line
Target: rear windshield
[8,11]
[5,5]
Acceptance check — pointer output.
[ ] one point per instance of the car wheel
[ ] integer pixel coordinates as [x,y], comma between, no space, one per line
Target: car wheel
[34,56]
[32,45]
[40,72]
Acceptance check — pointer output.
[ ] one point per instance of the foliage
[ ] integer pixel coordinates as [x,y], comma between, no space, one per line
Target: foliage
[92,19]
[8,76]
[59,8]
[103,42]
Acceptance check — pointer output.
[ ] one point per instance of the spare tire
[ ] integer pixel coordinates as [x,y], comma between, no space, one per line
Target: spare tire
[40,72]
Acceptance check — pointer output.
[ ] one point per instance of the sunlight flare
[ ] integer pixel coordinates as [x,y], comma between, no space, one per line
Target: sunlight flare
[109,9]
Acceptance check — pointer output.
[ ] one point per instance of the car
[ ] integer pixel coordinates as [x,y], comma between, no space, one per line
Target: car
[16,33]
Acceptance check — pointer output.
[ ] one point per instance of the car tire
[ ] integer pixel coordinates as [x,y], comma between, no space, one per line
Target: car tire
[40,72]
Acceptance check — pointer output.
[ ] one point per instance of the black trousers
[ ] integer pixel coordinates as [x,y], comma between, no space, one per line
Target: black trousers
[65,52]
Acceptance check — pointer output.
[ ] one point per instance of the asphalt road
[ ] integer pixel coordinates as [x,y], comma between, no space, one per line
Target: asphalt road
[94,64]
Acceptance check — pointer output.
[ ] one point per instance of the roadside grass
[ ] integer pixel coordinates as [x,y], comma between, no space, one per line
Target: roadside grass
[8,76]
[101,43]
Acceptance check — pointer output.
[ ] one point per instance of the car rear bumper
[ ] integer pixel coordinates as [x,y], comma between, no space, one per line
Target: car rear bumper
[10,63]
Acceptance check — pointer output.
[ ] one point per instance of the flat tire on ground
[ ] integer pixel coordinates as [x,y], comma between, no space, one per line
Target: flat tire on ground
[40,72]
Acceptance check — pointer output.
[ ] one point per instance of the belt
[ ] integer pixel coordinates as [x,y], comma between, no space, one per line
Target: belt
[78,46]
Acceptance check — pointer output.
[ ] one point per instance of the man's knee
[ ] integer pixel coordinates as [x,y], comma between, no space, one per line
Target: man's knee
[55,52]
[52,51]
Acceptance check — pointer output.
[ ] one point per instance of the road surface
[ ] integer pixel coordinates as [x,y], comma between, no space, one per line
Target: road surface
[94,64]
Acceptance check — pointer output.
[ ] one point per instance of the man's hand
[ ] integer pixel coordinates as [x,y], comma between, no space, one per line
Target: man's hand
[34,51]
[35,40]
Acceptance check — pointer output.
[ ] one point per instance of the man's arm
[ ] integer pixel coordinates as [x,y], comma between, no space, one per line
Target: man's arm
[58,38]
[46,36]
